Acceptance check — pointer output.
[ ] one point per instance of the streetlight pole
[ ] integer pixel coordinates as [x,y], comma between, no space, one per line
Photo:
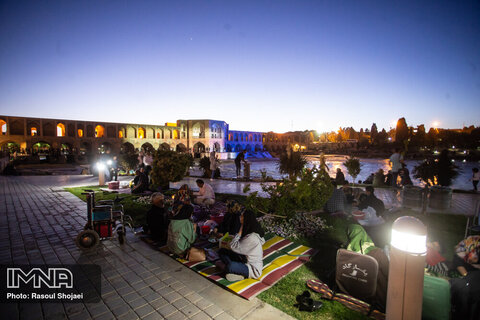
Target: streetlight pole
[101,173]
[406,271]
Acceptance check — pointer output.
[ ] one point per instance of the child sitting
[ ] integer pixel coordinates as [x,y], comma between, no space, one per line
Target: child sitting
[245,259]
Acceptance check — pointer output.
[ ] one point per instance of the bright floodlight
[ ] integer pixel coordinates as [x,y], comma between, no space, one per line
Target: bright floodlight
[409,235]
[109,162]
[100,166]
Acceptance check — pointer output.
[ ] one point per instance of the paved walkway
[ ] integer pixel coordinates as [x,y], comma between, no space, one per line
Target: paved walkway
[38,225]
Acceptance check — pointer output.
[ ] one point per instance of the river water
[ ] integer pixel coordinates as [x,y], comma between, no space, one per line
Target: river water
[368,166]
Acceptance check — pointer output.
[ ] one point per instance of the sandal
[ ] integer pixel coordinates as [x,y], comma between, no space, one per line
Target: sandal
[309,305]
[303,296]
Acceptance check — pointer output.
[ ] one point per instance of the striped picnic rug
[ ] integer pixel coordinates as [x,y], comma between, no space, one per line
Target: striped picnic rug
[280,257]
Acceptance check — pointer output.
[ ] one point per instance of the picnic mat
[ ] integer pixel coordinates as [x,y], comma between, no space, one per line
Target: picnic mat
[280,257]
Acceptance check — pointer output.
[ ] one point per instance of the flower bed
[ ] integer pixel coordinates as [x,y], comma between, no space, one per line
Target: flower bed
[302,225]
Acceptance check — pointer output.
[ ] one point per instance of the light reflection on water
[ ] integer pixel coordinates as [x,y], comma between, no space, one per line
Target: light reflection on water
[368,166]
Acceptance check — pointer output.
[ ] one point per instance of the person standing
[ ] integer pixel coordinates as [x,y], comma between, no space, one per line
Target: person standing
[114,169]
[213,164]
[396,160]
[475,179]
[240,157]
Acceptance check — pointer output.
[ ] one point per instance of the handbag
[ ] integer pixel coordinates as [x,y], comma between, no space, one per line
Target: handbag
[196,254]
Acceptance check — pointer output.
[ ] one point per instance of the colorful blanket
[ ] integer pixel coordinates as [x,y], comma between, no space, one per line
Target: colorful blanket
[280,257]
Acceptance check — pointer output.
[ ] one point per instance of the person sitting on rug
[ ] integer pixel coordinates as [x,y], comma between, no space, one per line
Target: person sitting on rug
[372,201]
[157,221]
[336,203]
[467,255]
[245,259]
[205,195]
[181,231]
[349,197]
[434,261]
[183,195]
[140,183]
[231,220]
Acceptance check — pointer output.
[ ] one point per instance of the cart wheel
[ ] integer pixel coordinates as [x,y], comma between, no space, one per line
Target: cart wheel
[87,239]
[121,237]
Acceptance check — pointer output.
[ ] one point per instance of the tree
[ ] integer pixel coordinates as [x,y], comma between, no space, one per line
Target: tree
[291,163]
[353,167]
[419,138]
[168,166]
[447,171]
[374,134]
[432,172]
[401,131]
[382,137]
[128,161]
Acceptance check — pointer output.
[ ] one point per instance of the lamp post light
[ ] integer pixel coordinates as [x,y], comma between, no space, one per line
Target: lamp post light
[101,173]
[406,271]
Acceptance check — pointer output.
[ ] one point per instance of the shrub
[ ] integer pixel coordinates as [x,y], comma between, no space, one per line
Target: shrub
[309,191]
[432,172]
[300,226]
[353,167]
[168,166]
[291,163]
[128,161]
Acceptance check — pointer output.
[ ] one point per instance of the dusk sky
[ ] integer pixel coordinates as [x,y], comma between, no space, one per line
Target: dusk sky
[258,65]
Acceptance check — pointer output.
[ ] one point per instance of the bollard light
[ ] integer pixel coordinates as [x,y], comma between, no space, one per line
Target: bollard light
[407,260]
[101,173]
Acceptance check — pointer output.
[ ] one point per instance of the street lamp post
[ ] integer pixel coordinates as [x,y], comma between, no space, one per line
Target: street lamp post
[101,173]
[406,271]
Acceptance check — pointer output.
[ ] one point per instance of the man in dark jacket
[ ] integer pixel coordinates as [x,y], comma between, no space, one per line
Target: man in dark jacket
[371,201]
[157,221]
[240,157]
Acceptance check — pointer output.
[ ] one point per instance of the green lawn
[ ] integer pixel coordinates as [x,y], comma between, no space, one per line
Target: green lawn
[449,229]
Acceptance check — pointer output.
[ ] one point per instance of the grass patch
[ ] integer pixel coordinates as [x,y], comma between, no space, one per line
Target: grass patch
[447,228]
[136,210]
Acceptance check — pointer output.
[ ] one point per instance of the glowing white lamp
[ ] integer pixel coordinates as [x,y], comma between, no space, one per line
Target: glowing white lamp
[101,173]
[407,260]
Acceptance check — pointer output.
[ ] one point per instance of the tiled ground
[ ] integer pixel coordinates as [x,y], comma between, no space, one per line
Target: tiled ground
[38,225]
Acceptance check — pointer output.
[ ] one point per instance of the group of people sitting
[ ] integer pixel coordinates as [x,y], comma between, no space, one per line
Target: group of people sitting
[365,207]
[176,227]
[379,178]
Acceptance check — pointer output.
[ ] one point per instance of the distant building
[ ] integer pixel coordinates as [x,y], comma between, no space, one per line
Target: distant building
[84,137]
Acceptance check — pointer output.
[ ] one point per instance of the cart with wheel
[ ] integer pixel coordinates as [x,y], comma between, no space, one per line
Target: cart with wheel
[105,220]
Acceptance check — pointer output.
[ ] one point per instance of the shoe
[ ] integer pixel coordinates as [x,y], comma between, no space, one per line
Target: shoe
[309,305]
[234,277]
[303,296]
